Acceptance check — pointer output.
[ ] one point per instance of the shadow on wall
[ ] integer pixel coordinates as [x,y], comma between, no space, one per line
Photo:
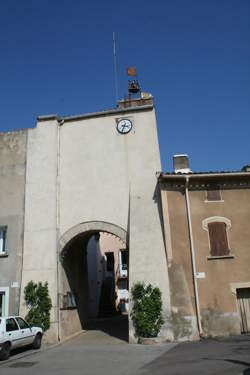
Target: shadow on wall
[75,267]
[157,200]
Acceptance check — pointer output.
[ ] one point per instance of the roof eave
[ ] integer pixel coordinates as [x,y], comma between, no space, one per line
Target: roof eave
[84,116]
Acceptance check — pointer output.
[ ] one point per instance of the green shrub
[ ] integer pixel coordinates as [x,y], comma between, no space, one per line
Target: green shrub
[39,304]
[147,310]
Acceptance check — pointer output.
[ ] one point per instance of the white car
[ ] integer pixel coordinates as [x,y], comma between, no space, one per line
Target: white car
[16,332]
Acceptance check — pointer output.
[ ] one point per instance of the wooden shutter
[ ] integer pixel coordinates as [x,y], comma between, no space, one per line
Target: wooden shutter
[213,195]
[218,239]
[243,299]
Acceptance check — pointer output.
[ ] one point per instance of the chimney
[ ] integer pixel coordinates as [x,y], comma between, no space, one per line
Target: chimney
[246,168]
[181,164]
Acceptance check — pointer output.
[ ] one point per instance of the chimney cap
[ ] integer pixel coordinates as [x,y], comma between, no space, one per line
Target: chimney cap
[181,163]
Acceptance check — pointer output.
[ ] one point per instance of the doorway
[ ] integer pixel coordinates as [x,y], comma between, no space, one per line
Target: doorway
[4,301]
[92,265]
[243,301]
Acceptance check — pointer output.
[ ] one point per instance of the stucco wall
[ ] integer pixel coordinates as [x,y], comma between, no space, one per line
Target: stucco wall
[12,186]
[40,230]
[217,293]
[111,177]
[82,170]
[180,267]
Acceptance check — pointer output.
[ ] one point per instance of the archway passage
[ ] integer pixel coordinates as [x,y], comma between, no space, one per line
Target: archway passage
[94,278]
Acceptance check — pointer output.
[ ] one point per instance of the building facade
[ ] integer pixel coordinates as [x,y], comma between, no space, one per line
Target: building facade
[12,197]
[107,261]
[206,223]
[71,184]
[70,178]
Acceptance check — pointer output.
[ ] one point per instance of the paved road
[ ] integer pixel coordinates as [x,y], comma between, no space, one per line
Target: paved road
[102,350]
[96,352]
[207,357]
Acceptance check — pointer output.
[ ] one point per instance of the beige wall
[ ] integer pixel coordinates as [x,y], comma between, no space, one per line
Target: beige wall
[12,188]
[217,297]
[180,267]
[81,170]
[41,219]
[235,207]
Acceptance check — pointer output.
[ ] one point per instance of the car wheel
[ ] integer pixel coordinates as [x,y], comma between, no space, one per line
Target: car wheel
[37,341]
[5,352]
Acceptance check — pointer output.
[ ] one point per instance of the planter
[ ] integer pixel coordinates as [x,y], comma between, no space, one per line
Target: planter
[150,340]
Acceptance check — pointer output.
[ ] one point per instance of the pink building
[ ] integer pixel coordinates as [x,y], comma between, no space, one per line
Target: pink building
[107,259]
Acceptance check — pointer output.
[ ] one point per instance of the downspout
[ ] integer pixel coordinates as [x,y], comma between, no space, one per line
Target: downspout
[58,229]
[23,226]
[196,296]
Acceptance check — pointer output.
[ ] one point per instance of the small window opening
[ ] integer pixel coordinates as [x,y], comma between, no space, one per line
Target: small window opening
[3,232]
[110,261]
[214,194]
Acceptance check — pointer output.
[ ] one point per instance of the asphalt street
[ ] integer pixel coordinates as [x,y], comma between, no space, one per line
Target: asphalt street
[229,356]
[98,352]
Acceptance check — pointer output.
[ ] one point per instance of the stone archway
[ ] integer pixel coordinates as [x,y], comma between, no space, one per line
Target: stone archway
[91,227]
[74,270]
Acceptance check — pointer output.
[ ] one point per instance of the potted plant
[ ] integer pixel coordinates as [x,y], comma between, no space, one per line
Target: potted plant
[39,304]
[146,311]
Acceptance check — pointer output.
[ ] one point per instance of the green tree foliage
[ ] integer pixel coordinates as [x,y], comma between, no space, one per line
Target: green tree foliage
[39,304]
[147,310]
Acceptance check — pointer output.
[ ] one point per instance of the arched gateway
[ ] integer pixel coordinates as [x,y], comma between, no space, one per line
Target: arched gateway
[74,279]
[90,228]
[87,174]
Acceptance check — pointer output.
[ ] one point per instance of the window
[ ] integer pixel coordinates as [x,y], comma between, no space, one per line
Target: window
[71,302]
[124,259]
[123,263]
[110,261]
[22,324]
[3,232]
[214,195]
[217,228]
[2,300]
[68,301]
[218,239]
[11,325]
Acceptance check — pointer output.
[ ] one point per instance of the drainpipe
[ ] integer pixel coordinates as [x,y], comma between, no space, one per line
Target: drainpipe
[196,297]
[59,124]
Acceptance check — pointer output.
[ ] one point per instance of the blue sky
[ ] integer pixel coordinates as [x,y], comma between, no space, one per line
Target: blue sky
[192,55]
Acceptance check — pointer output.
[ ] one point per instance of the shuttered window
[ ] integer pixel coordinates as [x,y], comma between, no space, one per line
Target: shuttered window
[214,195]
[218,239]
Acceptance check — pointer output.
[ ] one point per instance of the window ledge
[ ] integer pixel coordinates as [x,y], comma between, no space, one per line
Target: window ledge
[218,201]
[230,256]
[4,255]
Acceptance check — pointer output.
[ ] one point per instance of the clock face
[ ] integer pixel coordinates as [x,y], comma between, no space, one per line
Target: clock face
[124,126]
